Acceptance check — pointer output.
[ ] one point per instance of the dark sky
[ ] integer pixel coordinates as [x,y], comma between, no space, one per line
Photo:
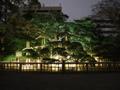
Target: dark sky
[74,8]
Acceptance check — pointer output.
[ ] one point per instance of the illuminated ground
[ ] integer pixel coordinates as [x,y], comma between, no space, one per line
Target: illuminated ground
[37,81]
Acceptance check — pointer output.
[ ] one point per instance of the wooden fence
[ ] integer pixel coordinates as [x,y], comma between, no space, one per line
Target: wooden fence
[60,67]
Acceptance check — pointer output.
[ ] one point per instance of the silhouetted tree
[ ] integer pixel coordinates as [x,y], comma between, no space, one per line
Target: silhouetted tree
[14,27]
[108,46]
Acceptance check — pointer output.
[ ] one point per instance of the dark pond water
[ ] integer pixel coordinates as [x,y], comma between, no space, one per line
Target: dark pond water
[38,81]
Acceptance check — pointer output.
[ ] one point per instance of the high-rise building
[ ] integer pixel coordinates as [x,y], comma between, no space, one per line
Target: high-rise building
[104,26]
[39,8]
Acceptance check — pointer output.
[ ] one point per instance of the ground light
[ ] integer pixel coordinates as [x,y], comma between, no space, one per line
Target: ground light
[18,55]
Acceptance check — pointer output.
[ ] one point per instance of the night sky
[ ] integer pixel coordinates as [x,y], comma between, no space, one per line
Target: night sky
[75,9]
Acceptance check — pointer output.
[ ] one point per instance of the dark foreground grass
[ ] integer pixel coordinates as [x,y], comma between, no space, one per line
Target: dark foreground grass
[38,81]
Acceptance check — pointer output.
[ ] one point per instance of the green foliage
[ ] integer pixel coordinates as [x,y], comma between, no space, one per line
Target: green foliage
[9,58]
[49,35]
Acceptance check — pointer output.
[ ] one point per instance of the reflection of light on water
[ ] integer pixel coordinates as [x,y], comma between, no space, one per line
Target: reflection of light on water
[56,67]
[98,65]
[60,65]
[27,67]
[38,65]
[70,65]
